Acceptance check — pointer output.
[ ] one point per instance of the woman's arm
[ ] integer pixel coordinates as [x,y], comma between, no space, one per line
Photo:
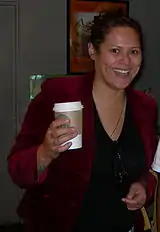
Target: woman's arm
[22,160]
[149,182]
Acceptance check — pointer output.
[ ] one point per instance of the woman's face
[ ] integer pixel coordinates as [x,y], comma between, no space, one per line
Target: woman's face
[119,58]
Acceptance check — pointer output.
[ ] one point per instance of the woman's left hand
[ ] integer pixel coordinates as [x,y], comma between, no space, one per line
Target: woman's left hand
[136,197]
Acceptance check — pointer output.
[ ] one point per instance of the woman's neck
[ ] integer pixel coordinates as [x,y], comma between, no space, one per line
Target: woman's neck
[107,94]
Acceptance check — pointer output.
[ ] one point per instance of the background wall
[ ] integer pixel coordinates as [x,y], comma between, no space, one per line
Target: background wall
[42,49]
[148,14]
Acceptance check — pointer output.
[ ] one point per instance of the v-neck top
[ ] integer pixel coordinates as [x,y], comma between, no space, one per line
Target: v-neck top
[102,208]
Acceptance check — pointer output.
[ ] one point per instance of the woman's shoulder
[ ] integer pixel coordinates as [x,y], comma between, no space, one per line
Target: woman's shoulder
[141,98]
[146,97]
[63,81]
[66,88]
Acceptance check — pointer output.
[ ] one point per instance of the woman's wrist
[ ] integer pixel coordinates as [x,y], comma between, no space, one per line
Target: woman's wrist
[43,160]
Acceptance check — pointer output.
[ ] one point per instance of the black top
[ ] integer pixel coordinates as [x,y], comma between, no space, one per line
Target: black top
[102,208]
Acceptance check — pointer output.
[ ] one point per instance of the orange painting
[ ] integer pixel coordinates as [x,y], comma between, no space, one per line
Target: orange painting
[81,14]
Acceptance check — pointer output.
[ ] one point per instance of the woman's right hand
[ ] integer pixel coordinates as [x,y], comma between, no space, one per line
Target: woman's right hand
[55,142]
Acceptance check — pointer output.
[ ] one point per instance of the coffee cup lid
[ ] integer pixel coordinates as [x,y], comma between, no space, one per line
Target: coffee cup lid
[67,106]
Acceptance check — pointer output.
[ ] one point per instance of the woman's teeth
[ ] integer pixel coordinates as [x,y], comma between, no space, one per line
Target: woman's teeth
[121,71]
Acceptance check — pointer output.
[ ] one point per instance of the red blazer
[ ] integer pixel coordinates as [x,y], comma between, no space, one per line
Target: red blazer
[52,201]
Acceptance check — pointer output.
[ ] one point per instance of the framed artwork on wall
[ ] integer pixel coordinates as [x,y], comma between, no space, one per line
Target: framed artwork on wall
[80,14]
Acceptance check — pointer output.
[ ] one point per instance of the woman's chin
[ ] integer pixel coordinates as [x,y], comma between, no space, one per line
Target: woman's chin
[121,84]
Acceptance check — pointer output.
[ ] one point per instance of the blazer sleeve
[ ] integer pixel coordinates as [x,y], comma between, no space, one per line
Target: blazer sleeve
[148,179]
[22,160]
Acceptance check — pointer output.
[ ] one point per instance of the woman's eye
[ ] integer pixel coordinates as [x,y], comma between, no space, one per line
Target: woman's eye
[115,50]
[134,52]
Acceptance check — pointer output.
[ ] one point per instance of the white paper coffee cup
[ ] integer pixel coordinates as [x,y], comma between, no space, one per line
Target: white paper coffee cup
[156,161]
[72,110]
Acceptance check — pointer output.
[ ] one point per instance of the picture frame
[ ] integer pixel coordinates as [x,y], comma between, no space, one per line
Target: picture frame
[80,14]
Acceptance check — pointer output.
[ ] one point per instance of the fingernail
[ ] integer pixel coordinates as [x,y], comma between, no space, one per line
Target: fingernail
[69,144]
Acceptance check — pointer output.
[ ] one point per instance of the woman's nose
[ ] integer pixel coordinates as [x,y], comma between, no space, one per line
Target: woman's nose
[125,59]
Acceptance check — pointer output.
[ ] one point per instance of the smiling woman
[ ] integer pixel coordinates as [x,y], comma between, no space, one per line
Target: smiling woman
[119,57]
[103,185]
[116,49]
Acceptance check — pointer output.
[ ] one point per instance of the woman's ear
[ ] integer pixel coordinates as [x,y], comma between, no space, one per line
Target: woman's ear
[91,51]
